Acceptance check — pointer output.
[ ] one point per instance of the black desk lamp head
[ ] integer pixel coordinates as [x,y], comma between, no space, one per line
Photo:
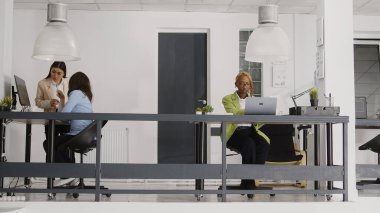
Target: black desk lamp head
[373,145]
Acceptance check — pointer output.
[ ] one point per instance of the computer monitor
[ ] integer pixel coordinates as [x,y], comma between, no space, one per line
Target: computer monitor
[22,92]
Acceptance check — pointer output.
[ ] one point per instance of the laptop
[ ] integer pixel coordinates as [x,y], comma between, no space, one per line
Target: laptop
[260,105]
[22,92]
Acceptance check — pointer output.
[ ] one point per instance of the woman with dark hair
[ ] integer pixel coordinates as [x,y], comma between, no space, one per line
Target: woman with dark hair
[80,97]
[245,138]
[47,93]
[79,101]
[48,88]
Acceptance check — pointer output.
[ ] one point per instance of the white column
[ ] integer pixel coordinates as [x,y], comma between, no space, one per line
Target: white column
[339,76]
[6,30]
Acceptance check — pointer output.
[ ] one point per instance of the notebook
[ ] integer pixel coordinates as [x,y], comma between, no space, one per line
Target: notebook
[260,105]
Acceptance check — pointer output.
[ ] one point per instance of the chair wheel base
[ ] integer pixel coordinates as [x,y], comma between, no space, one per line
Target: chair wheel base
[51,196]
[75,195]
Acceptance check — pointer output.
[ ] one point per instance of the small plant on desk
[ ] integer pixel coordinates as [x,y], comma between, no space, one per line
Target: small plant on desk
[6,103]
[313,96]
[205,109]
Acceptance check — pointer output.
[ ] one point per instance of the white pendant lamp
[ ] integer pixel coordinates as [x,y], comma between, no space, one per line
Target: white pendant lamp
[268,42]
[56,42]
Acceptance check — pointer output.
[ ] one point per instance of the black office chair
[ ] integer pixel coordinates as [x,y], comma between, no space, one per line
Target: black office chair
[82,143]
[283,150]
[374,146]
[238,187]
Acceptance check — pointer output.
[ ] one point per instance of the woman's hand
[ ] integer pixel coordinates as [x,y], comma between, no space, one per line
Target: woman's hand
[54,103]
[60,94]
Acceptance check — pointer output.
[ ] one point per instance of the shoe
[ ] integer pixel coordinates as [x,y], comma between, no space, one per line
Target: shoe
[250,185]
[62,182]
[74,182]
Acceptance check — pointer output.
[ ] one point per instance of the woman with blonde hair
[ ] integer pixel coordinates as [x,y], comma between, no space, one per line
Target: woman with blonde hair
[245,138]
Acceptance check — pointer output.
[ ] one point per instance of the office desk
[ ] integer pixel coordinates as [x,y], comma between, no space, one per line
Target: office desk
[368,170]
[182,171]
[28,134]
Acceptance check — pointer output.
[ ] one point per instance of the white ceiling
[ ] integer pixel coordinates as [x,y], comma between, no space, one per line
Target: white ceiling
[361,7]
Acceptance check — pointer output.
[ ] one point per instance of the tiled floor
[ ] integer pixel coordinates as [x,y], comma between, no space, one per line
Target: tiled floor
[187,203]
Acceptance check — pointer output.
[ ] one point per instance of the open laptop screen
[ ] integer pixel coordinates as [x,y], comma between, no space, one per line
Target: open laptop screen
[260,106]
[22,92]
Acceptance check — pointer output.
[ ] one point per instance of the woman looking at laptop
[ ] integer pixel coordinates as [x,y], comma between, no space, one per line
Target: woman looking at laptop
[245,138]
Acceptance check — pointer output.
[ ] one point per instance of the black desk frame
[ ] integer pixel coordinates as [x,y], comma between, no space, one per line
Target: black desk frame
[179,171]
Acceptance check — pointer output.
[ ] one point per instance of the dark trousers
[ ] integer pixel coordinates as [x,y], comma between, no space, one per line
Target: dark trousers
[253,148]
[60,156]
[59,130]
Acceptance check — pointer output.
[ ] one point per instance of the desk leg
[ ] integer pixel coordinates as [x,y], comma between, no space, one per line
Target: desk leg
[2,149]
[98,160]
[28,137]
[345,161]
[50,154]
[224,162]
[200,152]
[316,152]
[330,184]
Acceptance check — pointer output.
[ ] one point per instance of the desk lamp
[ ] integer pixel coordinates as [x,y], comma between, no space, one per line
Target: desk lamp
[294,97]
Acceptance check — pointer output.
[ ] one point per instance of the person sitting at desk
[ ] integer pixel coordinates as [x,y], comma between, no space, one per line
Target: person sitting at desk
[245,138]
[80,97]
[47,93]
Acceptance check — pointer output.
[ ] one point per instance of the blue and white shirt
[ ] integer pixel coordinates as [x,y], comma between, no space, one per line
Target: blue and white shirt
[78,102]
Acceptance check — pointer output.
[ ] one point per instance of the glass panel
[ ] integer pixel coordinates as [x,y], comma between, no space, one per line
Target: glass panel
[256,74]
[367,78]
[253,68]
[257,88]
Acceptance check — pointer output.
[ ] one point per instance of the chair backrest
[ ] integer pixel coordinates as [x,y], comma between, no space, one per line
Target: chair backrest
[281,142]
[373,145]
[85,140]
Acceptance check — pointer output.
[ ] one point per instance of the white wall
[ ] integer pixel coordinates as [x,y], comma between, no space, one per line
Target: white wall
[119,53]
[6,21]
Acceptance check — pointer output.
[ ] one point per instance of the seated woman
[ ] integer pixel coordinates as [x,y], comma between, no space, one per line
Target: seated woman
[80,97]
[245,138]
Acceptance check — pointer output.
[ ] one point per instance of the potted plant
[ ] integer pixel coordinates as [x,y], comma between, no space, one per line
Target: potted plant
[313,96]
[6,103]
[205,109]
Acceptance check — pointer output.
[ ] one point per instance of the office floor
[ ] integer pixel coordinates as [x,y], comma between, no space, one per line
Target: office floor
[36,197]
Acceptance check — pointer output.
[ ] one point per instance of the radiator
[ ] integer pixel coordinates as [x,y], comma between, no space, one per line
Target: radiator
[114,147]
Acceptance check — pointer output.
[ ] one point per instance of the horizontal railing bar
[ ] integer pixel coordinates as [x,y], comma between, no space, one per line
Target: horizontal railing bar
[171,191]
[175,117]
[367,171]
[285,172]
[172,171]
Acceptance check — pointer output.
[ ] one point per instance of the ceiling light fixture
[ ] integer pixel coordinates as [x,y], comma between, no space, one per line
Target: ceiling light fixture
[268,42]
[56,42]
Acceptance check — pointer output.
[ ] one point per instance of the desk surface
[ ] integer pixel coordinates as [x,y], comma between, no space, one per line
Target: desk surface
[39,121]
